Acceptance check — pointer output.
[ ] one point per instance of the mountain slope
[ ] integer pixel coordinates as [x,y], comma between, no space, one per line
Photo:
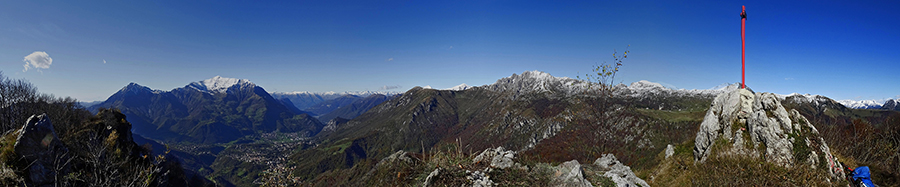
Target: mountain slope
[891,105]
[331,105]
[213,110]
[863,104]
[303,100]
[545,115]
[356,108]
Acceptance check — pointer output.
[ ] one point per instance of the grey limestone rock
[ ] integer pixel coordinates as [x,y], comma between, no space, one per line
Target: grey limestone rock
[618,172]
[431,176]
[569,174]
[765,122]
[726,108]
[479,179]
[498,158]
[399,156]
[670,150]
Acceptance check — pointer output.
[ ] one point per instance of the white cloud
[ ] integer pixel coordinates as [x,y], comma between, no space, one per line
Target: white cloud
[37,59]
[451,47]
[386,87]
[390,59]
[789,79]
[104,61]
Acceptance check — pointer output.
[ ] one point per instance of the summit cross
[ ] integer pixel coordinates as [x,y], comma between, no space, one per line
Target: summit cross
[743,44]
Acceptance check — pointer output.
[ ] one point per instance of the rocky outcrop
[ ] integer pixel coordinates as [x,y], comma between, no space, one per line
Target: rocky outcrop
[398,157]
[757,125]
[569,174]
[431,176]
[670,150]
[498,158]
[479,179]
[618,172]
[39,145]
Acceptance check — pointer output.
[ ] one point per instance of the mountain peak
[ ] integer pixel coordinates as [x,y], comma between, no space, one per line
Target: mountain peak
[134,88]
[219,84]
[460,87]
[645,85]
[530,81]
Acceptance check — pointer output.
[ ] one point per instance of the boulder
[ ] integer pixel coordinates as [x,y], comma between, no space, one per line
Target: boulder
[569,174]
[39,146]
[618,172]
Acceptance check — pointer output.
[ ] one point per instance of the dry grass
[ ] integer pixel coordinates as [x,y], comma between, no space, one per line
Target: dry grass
[681,170]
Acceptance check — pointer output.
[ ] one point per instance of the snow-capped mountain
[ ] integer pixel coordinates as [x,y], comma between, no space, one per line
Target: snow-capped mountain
[891,104]
[537,81]
[808,98]
[531,81]
[862,104]
[220,103]
[646,88]
[220,84]
[460,87]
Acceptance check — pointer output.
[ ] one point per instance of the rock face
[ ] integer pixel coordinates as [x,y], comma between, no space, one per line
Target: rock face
[569,174]
[756,125]
[38,144]
[618,172]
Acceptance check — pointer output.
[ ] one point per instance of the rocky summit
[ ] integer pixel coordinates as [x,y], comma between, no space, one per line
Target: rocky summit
[742,123]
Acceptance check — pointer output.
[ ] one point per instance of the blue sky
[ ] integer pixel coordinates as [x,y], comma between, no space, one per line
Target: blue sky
[844,50]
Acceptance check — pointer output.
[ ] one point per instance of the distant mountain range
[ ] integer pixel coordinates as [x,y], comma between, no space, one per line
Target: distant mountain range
[545,117]
[520,112]
[304,100]
[210,111]
[886,104]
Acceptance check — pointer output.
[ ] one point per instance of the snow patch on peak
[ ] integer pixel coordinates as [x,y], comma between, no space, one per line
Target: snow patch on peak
[644,84]
[808,97]
[219,84]
[427,87]
[644,88]
[540,75]
[531,81]
[460,87]
[863,104]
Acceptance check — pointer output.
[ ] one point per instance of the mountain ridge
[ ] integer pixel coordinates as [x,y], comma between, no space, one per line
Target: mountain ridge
[214,110]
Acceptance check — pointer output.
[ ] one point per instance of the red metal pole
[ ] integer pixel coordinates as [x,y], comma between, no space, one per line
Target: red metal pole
[743,64]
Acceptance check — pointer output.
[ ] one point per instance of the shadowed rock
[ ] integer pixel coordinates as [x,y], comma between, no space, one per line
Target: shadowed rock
[39,145]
